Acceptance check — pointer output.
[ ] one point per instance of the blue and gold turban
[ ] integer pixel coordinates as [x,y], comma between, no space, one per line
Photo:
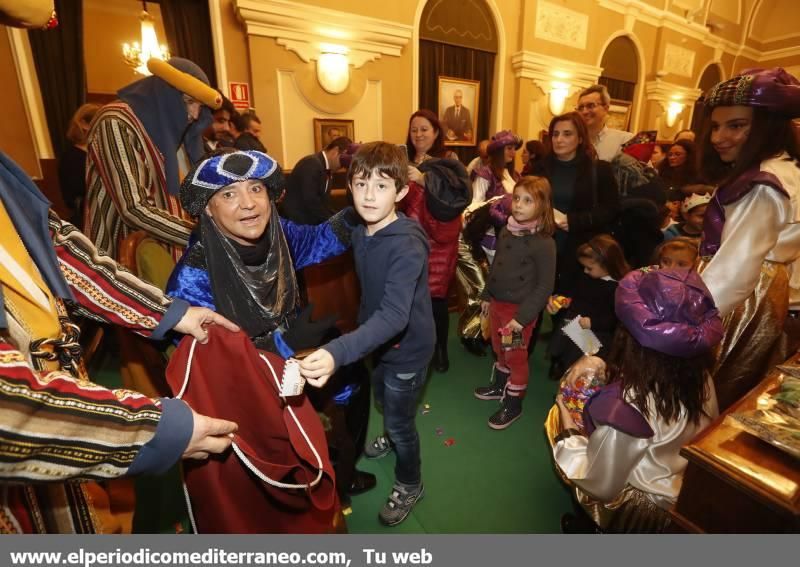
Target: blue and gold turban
[214,173]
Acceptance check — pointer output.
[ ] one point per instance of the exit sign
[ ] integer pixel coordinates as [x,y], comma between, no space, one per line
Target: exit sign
[240,95]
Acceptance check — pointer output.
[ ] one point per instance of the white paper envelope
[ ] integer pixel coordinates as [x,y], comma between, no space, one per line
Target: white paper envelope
[586,340]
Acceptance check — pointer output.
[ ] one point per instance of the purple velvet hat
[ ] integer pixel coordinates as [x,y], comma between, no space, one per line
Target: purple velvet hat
[670,311]
[774,89]
[502,139]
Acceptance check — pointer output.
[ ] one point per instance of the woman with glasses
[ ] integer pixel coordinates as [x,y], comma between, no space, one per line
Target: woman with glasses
[679,168]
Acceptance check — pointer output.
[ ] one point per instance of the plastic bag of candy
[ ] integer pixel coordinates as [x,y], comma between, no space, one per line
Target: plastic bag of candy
[579,383]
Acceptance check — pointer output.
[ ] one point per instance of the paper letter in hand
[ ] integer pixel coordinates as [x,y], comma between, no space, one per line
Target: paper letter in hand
[293,382]
[586,340]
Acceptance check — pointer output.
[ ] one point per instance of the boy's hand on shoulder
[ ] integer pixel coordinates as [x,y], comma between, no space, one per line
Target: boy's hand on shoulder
[585,323]
[317,367]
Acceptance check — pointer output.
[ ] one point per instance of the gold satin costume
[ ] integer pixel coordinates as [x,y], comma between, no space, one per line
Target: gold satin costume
[471,276]
[749,280]
[635,480]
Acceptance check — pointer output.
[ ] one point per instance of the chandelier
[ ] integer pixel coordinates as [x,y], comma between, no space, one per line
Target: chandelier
[137,54]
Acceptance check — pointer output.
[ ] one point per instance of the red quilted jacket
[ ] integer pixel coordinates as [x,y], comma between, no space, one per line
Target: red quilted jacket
[442,236]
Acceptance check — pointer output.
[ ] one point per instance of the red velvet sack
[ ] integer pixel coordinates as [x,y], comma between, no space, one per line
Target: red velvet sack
[283,440]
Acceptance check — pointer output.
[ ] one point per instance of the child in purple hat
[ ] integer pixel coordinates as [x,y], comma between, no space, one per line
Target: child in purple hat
[626,468]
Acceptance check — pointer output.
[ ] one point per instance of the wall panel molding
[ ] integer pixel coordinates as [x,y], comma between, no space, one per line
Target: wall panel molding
[302,29]
[561,25]
[543,69]
[637,10]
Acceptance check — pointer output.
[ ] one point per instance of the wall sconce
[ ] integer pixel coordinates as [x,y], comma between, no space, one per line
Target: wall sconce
[333,69]
[558,97]
[674,108]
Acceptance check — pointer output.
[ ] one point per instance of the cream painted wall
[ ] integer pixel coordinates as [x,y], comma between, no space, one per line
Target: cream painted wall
[237,55]
[296,116]
[379,99]
[16,139]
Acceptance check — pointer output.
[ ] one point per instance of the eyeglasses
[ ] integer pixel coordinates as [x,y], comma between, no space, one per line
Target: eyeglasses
[588,106]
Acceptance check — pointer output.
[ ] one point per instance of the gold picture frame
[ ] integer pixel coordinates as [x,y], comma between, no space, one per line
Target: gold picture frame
[619,114]
[458,117]
[328,129]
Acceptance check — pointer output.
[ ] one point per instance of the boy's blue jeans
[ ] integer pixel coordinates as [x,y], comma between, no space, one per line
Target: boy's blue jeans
[398,393]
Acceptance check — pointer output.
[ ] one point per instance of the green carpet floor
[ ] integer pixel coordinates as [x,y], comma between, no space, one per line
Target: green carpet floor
[486,481]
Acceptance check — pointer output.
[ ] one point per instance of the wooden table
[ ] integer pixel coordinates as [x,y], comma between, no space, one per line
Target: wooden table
[737,483]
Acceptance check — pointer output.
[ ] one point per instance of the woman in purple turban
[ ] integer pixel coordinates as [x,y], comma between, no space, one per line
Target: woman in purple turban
[751,233]
[625,464]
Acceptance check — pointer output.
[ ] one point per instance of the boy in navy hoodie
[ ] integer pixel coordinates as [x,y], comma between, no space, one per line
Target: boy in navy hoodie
[395,316]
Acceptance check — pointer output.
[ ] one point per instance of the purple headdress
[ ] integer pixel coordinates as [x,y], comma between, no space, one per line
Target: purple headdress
[670,311]
[504,138]
[774,89]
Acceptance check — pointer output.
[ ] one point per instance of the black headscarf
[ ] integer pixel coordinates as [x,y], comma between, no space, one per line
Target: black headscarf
[160,108]
[259,297]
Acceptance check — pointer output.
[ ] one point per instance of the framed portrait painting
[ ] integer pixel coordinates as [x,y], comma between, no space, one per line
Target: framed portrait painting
[327,130]
[619,114]
[459,100]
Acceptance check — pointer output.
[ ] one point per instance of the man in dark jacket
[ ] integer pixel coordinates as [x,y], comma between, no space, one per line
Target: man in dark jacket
[307,189]
[247,131]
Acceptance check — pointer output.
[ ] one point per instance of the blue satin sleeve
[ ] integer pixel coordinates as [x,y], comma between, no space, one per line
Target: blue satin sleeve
[311,244]
[191,284]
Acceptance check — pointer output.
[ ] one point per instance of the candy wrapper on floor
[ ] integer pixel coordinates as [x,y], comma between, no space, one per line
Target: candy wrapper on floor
[588,375]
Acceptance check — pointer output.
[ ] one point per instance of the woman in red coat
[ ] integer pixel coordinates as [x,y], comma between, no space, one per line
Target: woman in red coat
[439,191]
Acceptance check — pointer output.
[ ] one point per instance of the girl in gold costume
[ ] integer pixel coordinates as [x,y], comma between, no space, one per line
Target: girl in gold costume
[751,231]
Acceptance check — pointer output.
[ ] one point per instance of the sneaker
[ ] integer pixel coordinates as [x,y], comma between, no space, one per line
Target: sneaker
[400,502]
[380,447]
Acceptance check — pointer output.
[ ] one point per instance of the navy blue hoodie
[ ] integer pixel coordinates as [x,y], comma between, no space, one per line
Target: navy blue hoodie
[395,316]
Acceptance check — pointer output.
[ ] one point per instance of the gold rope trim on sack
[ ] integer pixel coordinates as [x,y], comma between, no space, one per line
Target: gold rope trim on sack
[185,83]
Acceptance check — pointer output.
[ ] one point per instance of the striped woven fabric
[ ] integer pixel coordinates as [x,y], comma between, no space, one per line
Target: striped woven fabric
[55,427]
[125,185]
[104,290]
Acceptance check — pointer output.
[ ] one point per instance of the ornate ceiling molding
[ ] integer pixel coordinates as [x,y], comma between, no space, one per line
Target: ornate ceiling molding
[543,70]
[305,29]
[636,10]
